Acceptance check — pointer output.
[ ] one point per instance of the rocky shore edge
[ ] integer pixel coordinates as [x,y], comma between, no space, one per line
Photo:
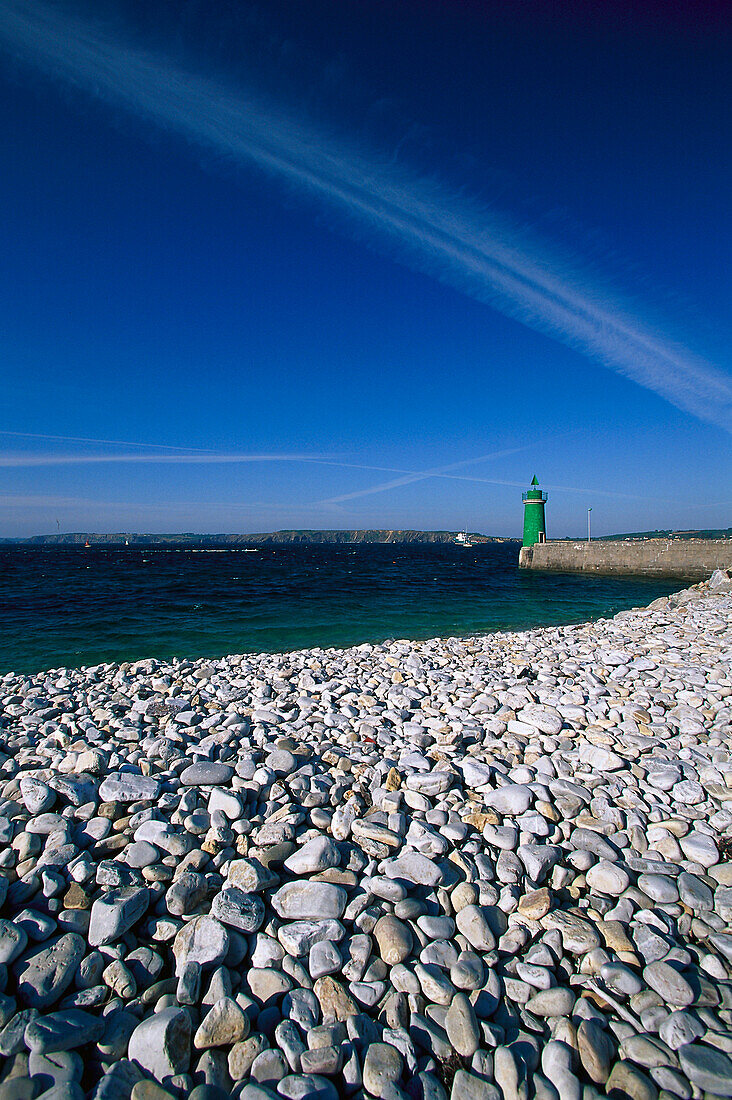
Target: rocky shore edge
[488,868]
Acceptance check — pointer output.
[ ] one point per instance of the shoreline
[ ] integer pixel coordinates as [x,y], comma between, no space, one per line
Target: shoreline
[494,866]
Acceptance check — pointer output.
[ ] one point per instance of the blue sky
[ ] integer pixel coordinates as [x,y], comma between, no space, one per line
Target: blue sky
[363,265]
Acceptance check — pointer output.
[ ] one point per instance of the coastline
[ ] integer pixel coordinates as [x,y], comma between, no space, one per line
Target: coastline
[490,863]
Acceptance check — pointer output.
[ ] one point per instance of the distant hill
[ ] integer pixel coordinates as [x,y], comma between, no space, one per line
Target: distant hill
[713,533]
[190,539]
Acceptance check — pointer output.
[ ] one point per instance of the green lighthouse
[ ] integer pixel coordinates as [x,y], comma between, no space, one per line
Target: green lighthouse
[534,522]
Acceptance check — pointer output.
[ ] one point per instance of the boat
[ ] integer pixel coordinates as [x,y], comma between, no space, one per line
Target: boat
[462,539]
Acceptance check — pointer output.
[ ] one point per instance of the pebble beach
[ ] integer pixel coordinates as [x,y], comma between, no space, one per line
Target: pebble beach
[486,868]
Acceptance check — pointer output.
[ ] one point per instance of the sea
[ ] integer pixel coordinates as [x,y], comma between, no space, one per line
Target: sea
[68,607]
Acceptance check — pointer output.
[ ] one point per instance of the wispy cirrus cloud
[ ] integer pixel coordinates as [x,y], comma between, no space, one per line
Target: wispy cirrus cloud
[426,225]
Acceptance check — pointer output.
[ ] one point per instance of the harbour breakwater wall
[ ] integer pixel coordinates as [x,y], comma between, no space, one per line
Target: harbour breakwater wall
[687,558]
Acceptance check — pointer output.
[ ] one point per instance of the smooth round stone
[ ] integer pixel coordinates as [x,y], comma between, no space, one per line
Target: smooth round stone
[394,939]
[242,1054]
[37,795]
[119,979]
[441,952]
[536,903]
[141,854]
[472,923]
[476,773]
[414,868]
[254,1091]
[664,778]
[44,824]
[186,894]
[552,1002]
[608,878]
[223,1025]
[233,907]
[45,974]
[205,773]
[620,979]
[115,913]
[203,940]
[668,983]
[695,893]
[309,900]
[324,958]
[306,1086]
[672,1081]
[318,854]
[505,837]
[436,928]
[468,972]
[534,823]
[514,798]
[382,1067]
[249,876]
[680,1028]
[60,1031]
[540,977]
[707,1068]
[128,787]
[335,1001]
[429,784]
[688,793]
[161,1044]
[299,937]
[660,888]
[282,762]
[465,1086]
[267,985]
[225,801]
[13,940]
[645,1052]
[301,1007]
[388,889]
[268,1068]
[461,1025]
[545,719]
[596,1051]
[626,1080]
[700,848]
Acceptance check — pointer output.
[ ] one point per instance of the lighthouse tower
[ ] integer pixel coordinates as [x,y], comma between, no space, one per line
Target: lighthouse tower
[534,522]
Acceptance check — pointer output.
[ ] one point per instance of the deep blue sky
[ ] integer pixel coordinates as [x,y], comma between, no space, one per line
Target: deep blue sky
[365,241]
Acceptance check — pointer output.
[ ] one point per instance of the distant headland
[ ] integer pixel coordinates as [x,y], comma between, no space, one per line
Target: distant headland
[290,538]
[318,538]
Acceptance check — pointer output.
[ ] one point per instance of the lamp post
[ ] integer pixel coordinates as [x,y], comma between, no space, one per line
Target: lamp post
[589,538]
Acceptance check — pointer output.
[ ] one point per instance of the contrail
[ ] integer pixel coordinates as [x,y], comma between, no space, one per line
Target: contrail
[110,442]
[202,459]
[432,230]
[423,475]
[23,461]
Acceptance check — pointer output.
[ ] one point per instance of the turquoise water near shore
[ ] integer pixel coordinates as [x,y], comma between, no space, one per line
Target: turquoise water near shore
[73,606]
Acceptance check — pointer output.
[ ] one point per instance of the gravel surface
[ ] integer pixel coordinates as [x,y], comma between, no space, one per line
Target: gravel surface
[490,868]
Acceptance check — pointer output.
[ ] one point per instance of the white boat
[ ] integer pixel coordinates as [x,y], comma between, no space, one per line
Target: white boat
[462,539]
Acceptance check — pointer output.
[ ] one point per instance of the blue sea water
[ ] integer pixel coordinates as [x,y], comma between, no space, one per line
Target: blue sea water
[73,606]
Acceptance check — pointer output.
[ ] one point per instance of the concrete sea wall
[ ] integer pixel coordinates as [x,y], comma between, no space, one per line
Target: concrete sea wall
[688,558]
